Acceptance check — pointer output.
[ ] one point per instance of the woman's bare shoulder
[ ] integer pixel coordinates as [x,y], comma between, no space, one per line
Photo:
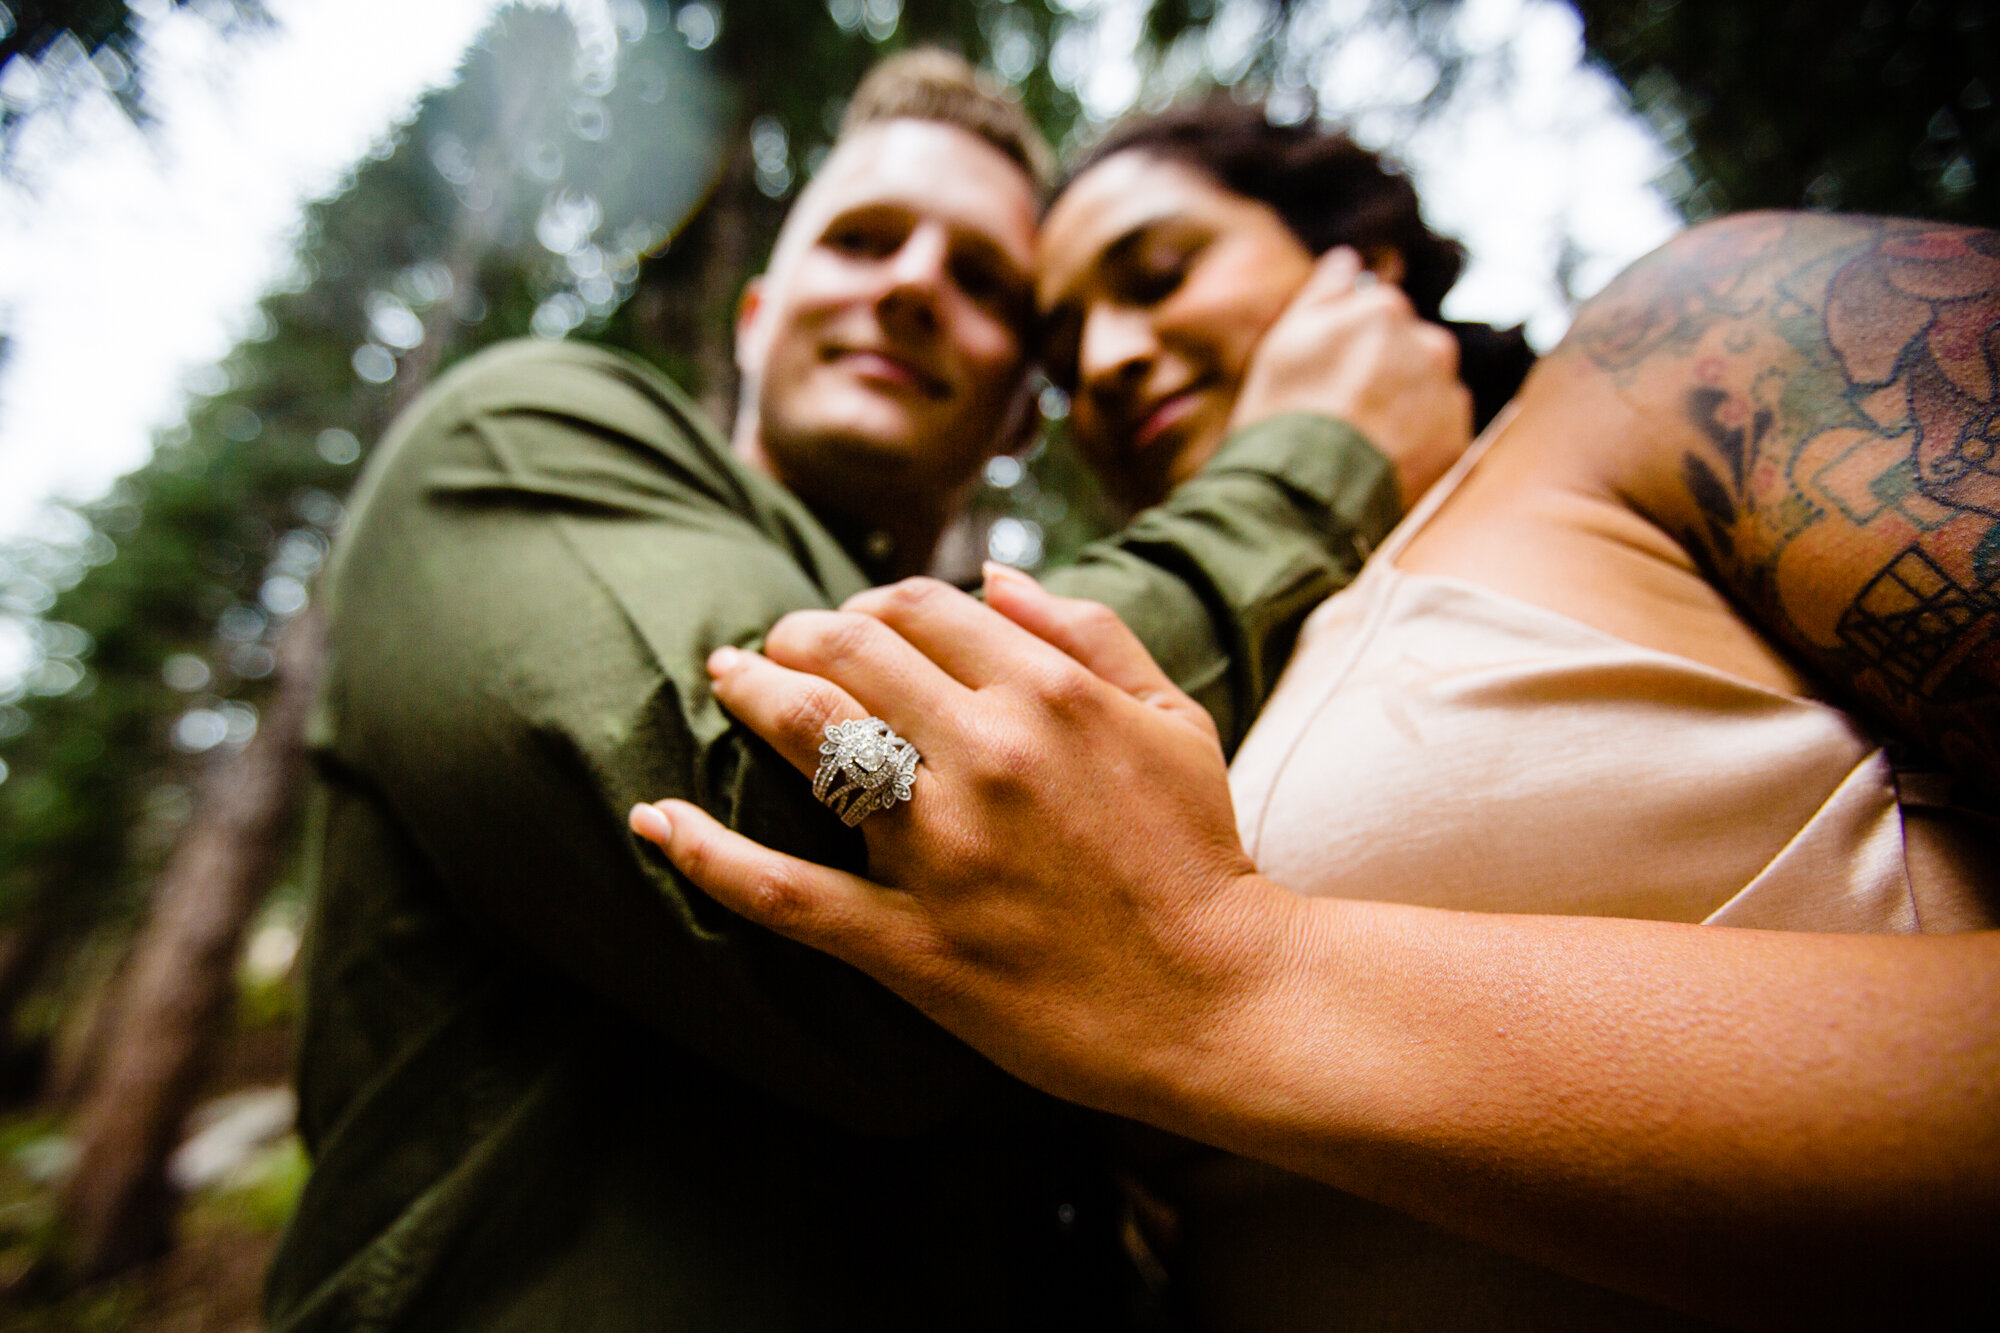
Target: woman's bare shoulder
[1814,418]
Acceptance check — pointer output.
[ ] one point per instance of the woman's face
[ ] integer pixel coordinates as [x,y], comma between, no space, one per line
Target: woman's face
[1155,284]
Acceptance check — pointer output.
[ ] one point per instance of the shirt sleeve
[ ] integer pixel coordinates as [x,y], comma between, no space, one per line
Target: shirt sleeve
[1217,581]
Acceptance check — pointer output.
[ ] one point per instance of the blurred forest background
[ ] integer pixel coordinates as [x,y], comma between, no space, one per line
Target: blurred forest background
[610,170]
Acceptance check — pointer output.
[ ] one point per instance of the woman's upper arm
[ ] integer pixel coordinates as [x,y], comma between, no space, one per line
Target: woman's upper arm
[1818,400]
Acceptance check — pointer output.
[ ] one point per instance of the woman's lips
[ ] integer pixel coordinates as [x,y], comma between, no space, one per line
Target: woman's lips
[1167,415]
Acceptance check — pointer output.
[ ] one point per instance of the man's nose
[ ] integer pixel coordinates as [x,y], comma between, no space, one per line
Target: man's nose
[917,272]
[1116,348]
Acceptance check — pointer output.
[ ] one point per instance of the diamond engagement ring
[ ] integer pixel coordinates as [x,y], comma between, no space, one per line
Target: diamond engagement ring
[863,767]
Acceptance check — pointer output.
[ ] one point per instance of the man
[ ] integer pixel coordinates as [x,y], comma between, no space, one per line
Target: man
[546,1085]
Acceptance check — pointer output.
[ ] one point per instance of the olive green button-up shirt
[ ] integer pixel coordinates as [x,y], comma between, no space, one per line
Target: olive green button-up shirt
[546,1084]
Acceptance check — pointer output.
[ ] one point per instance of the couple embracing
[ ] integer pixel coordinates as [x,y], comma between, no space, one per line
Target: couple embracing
[1436,971]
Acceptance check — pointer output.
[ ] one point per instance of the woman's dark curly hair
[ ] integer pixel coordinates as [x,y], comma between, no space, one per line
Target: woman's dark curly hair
[1330,191]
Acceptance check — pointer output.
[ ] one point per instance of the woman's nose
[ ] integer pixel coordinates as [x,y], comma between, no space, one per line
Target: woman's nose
[1117,347]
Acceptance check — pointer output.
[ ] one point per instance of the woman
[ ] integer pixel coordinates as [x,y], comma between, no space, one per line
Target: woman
[1576,716]
[1259,204]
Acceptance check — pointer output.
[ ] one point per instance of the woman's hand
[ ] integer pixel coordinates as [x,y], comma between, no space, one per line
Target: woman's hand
[1357,351]
[1070,894]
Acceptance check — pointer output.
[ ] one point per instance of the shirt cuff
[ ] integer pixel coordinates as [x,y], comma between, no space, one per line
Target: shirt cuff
[1323,458]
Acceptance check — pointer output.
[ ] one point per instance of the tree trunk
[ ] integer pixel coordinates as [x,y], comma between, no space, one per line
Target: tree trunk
[118,1205]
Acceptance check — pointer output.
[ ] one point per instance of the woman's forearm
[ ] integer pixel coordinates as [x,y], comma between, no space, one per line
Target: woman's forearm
[1741,1123]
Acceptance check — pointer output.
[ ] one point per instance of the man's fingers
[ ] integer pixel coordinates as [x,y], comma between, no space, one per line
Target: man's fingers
[789,709]
[828,909]
[1437,342]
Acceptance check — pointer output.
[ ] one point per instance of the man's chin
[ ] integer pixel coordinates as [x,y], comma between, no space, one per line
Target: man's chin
[885,439]
[866,463]
[862,418]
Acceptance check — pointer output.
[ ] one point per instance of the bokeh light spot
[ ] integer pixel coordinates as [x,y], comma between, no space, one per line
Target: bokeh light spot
[699,25]
[373,362]
[185,672]
[1015,541]
[337,446]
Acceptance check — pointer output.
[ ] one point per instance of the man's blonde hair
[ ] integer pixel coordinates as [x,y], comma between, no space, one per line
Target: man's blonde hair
[932,84]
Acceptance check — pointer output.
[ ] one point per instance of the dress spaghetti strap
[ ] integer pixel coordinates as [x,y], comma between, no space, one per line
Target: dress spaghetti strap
[1433,499]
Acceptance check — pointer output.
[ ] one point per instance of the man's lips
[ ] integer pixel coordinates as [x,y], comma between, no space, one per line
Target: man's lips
[884,367]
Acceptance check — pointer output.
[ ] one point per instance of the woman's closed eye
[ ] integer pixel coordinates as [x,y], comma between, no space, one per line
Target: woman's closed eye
[1151,284]
[1152,270]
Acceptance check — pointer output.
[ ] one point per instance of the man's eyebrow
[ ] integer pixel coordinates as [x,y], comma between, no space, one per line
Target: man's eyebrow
[974,239]
[1018,277]
[867,210]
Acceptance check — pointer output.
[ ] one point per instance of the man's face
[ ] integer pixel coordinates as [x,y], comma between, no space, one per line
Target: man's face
[884,345]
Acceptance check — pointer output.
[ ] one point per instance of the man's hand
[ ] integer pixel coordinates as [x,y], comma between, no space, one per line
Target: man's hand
[1070,893]
[1358,352]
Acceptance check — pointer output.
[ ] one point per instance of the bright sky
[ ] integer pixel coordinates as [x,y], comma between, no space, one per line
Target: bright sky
[1559,157]
[137,258]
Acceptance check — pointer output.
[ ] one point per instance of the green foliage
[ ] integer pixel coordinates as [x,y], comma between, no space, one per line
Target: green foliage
[114,1307]
[266,1002]
[27,1229]
[67,47]
[1877,106]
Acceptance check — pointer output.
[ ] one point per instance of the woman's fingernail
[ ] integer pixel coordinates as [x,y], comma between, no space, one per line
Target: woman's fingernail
[649,822]
[996,572]
[723,659]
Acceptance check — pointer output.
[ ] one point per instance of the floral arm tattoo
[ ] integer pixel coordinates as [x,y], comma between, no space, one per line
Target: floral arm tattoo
[1830,386]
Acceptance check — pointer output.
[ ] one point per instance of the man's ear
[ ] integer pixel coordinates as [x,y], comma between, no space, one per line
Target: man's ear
[749,338]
